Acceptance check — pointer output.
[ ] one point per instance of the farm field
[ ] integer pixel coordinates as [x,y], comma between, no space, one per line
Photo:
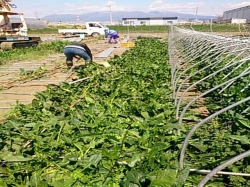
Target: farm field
[23,75]
[144,29]
[118,125]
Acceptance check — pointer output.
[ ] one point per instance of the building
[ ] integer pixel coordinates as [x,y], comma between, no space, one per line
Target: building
[32,23]
[149,21]
[238,13]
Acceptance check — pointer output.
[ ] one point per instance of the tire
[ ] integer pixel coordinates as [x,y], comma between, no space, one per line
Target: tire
[95,34]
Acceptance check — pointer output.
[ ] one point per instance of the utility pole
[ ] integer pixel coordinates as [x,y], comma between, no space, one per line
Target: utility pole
[110,15]
[211,28]
[36,15]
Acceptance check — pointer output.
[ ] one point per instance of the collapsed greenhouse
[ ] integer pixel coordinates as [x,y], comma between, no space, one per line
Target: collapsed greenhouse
[32,23]
[217,68]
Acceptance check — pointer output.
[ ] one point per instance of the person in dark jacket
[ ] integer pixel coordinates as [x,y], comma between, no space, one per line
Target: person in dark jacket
[78,51]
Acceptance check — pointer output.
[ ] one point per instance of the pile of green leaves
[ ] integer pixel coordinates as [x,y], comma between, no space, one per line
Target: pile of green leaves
[115,129]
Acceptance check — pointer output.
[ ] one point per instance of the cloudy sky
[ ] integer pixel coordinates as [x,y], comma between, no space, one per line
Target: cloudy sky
[36,8]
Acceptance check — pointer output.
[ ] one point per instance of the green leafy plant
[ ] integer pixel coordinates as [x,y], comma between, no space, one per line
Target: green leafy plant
[32,53]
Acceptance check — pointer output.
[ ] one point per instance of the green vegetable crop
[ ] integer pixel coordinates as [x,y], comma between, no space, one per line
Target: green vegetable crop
[115,129]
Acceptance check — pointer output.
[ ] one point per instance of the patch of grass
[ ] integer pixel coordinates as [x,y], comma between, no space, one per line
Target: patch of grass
[214,27]
[141,29]
[43,31]
[152,28]
[32,53]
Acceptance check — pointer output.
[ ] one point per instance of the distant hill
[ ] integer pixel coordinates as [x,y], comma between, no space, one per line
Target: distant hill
[117,16]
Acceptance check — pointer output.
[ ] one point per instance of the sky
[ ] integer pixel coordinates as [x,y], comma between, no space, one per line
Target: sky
[41,8]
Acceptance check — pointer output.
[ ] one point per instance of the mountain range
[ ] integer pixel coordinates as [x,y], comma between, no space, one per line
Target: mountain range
[117,16]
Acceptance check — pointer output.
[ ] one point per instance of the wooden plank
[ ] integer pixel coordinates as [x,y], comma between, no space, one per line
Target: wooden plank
[106,53]
[14,93]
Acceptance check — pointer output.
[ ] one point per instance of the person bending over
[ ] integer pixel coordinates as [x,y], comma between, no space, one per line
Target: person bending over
[78,51]
[113,35]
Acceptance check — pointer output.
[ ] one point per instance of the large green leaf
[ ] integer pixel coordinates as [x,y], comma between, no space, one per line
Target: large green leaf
[243,139]
[14,158]
[164,178]
[2,183]
[36,181]
[182,177]
[134,177]
[244,122]
[199,146]
[135,158]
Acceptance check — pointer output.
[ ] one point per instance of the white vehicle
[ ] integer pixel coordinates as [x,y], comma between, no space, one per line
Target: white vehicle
[94,29]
